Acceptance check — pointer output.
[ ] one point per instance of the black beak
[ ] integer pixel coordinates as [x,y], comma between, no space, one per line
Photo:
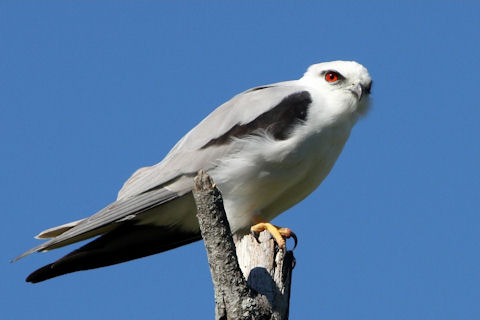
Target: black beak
[368,87]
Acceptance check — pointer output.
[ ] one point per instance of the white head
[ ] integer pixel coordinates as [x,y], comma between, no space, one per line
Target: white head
[343,81]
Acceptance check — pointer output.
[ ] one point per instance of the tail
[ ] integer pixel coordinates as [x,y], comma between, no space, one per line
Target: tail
[124,243]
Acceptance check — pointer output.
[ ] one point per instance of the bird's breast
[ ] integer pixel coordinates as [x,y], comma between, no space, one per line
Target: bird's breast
[268,177]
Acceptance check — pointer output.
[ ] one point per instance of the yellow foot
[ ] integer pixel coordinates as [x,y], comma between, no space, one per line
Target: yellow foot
[277,233]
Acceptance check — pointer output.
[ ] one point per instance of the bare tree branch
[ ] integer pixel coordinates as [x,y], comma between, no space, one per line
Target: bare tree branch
[268,270]
[267,292]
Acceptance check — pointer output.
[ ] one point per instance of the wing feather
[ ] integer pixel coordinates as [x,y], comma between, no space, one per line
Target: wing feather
[188,156]
[103,221]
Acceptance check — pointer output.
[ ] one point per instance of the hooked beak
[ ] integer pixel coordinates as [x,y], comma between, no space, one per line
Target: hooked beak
[359,89]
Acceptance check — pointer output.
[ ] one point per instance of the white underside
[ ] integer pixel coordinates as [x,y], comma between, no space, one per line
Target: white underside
[272,176]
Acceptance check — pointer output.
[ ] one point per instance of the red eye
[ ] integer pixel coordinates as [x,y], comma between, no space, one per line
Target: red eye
[331,76]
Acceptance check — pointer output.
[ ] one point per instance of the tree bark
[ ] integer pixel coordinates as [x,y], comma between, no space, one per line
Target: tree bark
[257,287]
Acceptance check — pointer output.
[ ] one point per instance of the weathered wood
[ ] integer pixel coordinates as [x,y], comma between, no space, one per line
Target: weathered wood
[267,270]
[265,295]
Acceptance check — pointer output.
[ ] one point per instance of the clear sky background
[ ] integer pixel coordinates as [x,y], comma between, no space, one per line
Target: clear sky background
[90,91]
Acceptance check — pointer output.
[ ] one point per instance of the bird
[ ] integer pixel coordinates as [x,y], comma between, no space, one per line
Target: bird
[266,149]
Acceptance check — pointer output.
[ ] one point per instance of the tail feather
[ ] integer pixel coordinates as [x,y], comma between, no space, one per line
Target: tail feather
[56,231]
[124,243]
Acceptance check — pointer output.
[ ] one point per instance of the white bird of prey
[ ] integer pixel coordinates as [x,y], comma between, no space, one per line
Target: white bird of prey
[266,149]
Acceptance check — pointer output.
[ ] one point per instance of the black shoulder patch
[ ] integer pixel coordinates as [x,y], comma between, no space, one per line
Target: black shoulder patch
[277,121]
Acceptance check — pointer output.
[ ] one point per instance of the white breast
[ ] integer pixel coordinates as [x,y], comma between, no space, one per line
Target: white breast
[267,177]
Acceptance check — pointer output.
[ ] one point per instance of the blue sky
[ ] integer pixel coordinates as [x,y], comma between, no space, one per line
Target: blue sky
[90,91]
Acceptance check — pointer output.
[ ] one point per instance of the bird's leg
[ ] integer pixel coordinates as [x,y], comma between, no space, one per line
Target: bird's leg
[277,233]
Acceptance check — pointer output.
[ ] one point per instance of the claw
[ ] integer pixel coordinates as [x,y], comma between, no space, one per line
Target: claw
[287,233]
[279,234]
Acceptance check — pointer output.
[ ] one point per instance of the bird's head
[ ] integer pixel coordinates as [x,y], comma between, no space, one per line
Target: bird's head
[345,81]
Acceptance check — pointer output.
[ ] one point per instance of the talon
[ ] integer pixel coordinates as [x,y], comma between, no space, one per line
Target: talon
[277,233]
[288,233]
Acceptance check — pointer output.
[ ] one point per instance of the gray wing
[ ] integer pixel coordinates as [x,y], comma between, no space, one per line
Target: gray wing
[195,151]
[201,148]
